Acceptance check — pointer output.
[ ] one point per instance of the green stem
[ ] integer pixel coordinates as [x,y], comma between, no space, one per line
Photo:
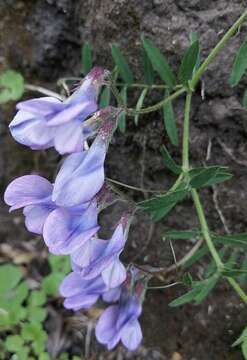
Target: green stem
[146,86]
[204,228]
[133,112]
[117,95]
[177,183]
[238,289]
[210,244]
[186,132]
[217,49]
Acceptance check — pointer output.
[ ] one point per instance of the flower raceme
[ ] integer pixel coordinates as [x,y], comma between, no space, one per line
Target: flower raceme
[66,212]
[46,122]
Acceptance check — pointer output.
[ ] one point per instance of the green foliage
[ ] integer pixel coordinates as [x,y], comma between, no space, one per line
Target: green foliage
[199,291]
[242,340]
[122,64]
[169,162]
[159,62]
[23,311]
[188,64]
[161,205]
[60,266]
[148,69]
[122,117]
[193,38]
[181,234]
[86,58]
[239,65]
[50,283]
[11,86]
[208,176]
[105,97]
[245,99]
[169,121]
[10,276]
[12,295]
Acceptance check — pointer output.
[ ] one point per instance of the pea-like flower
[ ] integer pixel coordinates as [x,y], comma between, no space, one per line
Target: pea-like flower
[64,229]
[119,322]
[33,193]
[67,229]
[80,293]
[102,257]
[46,122]
[81,175]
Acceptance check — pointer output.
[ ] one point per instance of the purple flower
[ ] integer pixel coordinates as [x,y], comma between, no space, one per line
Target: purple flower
[120,322]
[112,295]
[64,229]
[102,257]
[80,293]
[34,194]
[81,175]
[67,229]
[46,122]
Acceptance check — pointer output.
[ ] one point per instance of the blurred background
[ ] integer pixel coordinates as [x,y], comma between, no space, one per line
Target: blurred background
[43,40]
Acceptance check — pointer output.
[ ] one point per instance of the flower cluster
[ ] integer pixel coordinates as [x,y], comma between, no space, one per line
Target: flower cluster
[66,212]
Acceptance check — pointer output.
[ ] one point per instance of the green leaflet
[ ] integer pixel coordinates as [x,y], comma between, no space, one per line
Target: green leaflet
[169,122]
[86,58]
[122,117]
[239,65]
[245,99]
[184,299]
[11,86]
[122,64]
[161,205]
[194,37]
[181,234]
[159,62]
[242,337]
[10,276]
[200,290]
[105,97]
[208,176]
[188,63]
[169,162]
[147,68]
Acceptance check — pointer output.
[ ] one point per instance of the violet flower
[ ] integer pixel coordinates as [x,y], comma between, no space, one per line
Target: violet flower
[32,192]
[67,229]
[80,293]
[46,122]
[120,322]
[64,229]
[81,175]
[102,257]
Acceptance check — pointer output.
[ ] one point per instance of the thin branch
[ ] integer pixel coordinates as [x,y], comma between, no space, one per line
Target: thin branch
[132,187]
[230,153]
[147,242]
[43,91]
[218,209]
[184,259]
[163,286]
